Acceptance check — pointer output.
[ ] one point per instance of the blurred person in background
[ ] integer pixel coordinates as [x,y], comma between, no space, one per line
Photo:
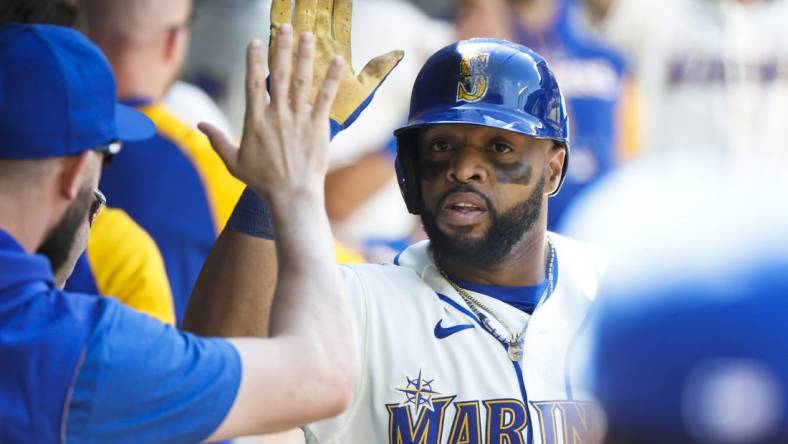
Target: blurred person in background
[592,75]
[687,343]
[592,14]
[121,259]
[192,105]
[189,101]
[174,185]
[215,62]
[712,73]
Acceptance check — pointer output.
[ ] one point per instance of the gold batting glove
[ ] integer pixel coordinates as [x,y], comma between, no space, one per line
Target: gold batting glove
[330,21]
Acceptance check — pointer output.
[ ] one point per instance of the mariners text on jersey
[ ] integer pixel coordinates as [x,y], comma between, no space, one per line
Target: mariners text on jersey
[431,372]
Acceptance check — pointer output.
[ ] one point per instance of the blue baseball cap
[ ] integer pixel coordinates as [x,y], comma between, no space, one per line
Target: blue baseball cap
[57,96]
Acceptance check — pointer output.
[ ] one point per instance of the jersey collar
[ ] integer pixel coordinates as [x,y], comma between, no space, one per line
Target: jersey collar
[419,259]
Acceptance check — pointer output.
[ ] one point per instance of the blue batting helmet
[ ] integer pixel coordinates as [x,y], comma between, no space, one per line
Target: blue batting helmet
[487,82]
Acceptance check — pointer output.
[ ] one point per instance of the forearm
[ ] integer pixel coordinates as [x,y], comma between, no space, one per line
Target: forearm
[234,292]
[316,309]
[312,311]
[311,332]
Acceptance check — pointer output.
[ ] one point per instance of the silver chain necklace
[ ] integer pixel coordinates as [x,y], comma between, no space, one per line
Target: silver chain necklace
[515,341]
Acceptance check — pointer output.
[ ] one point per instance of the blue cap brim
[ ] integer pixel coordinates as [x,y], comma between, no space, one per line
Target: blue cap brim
[132,125]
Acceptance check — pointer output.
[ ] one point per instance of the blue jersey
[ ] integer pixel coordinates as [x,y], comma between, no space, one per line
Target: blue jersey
[43,339]
[591,76]
[82,368]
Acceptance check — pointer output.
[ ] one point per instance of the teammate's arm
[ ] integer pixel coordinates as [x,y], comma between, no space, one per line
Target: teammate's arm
[284,157]
[236,283]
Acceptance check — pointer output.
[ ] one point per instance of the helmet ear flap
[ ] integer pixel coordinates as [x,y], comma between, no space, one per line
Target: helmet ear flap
[405,165]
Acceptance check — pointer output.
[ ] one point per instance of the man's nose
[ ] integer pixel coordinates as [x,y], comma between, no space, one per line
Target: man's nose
[467,166]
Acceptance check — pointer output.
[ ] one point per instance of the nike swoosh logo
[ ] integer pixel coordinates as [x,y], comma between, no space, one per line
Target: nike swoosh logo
[442,332]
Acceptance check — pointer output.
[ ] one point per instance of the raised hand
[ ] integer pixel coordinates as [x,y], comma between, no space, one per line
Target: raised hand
[284,147]
[330,21]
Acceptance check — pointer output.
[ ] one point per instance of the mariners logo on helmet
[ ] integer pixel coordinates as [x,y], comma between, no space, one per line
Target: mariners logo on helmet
[474,81]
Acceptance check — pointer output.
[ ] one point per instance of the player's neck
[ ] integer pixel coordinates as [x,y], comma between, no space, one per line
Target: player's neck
[524,266]
[26,224]
[138,88]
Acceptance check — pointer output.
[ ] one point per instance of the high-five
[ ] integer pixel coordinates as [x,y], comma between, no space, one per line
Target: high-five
[283,157]
[81,368]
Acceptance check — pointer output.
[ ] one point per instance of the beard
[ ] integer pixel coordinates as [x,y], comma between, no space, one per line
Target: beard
[58,245]
[506,229]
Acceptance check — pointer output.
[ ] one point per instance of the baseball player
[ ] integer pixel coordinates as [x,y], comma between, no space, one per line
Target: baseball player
[689,329]
[465,338]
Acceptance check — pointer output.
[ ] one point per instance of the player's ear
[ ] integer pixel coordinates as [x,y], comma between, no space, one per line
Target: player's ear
[556,161]
[73,172]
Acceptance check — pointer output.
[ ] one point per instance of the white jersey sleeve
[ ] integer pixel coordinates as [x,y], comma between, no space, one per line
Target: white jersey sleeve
[329,430]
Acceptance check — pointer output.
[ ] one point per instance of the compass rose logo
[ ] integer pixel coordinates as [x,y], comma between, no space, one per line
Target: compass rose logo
[473,79]
[418,393]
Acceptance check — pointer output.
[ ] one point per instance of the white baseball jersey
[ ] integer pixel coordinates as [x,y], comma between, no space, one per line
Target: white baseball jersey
[712,73]
[431,373]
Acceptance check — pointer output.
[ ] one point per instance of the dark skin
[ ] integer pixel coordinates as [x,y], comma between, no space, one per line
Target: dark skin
[242,266]
[495,168]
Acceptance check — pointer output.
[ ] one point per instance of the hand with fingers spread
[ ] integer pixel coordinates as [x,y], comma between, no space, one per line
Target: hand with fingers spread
[330,21]
[283,157]
[284,147]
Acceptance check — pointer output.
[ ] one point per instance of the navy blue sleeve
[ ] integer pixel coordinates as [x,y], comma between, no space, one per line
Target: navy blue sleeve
[144,381]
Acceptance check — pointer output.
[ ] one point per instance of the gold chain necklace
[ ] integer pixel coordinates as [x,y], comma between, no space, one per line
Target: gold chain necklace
[515,341]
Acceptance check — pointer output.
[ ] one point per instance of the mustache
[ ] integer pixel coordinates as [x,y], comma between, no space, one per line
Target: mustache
[465,189]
